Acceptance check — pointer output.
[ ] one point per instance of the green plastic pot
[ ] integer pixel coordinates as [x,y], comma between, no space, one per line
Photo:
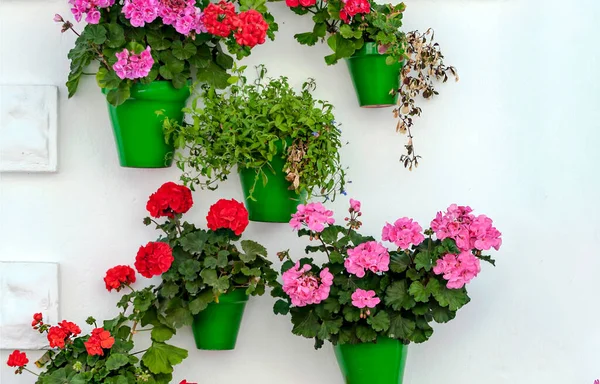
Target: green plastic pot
[373,79]
[273,202]
[138,128]
[382,362]
[217,327]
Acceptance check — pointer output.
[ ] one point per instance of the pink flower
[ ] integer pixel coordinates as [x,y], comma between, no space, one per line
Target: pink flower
[457,269]
[93,16]
[305,288]
[90,8]
[313,215]
[132,66]
[597,381]
[362,299]
[58,18]
[140,12]
[181,14]
[371,256]
[403,233]
[354,205]
[467,230]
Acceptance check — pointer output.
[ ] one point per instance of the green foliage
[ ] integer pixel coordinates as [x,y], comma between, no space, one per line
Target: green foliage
[411,295]
[176,57]
[254,122]
[207,265]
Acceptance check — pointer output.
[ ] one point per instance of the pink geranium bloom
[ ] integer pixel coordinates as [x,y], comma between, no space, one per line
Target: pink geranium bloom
[354,205]
[371,256]
[313,215]
[132,66]
[403,233]
[458,270]
[362,299]
[304,288]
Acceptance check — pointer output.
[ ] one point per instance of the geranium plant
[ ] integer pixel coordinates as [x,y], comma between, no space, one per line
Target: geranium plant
[106,355]
[146,40]
[365,290]
[207,263]
[348,25]
[248,126]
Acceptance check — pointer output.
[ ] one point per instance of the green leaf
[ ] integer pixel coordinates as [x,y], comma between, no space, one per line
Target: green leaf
[396,295]
[201,302]
[194,241]
[390,60]
[487,258]
[451,298]
[328,328]
[365,334]
[400,327]
[442,314]
[94,33]
[222,258]
[332,305]
[209,276]
[169,290]
[418,291]
[189,269]
[399,262]
[307,38]
[183,51]
[116,36]
[224,61]
[161,333]
[213,75]
[259,5]
[107,79]
[351,313]
[193,286]
[161,357]
[423,261]
[336,257]
[348,33]
[116,361]
[222,284]
[210,262]
[306,323]
[281,307]
[118,96]
[157,41]
[252,249]
[330,234]
[380,322]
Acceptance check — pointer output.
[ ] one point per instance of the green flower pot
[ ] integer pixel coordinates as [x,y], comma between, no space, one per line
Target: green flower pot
[373,79]
[216,328]
[372,363]
[138,128]
[273,202]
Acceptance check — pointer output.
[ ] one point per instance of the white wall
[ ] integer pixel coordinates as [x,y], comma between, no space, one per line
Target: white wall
[517,139]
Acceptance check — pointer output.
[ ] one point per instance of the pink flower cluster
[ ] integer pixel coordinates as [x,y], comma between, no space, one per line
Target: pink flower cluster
[89,8]
[371,256]
[181,14]
[304,288]
[132,66]
[362,299]
[354,205]
[467,230]
[403,233]
[313,215]
[457,269]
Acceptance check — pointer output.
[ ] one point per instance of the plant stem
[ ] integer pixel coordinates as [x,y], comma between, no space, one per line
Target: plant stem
[133,331]
[138,352]
[30,371]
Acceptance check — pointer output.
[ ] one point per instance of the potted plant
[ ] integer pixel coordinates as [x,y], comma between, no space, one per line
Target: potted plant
[147,51]
[284,143]
[387,66]
[209,282]
[369,301]
[106,354]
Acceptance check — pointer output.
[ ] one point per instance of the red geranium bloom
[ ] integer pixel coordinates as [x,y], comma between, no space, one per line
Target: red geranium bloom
[228,214]
[153,259]
[17,359]
[253,29]
[71,328]
[354,7]
[170,199]
[220,19]
[57,336]
[118,277]
[99,340]
[185,382]
[37,320]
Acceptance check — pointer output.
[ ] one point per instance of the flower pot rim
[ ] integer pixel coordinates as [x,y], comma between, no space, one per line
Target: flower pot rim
[236,296]
[158,90]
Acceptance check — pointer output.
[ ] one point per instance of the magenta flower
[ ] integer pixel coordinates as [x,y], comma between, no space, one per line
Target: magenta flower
[313,215]
[467,230]
[597,381]
[371,256]
[140,12]
[354,205]
[362,299]
[89,8]
[403,233]
[58,18]
[305,288]
[132,66]
[457,269]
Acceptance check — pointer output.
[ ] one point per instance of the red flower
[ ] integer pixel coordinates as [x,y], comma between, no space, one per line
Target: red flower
[354,7]
[17,359]
[169,199]
[57,336]
[71,328]
[153,259]
[185,382]
[119,276]
[220,19]
[304,3]
[253,29]
[228,214]
[99,340]
[37,320]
